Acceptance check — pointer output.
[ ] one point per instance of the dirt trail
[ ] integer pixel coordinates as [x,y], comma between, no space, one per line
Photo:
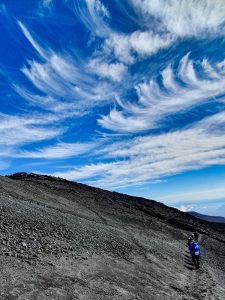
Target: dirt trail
[198,281]
[200,284]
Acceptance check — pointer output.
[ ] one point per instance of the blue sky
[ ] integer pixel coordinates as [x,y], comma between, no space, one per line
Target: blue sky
[123,95]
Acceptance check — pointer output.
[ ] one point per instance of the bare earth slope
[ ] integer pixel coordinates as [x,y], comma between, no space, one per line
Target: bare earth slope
[64,240]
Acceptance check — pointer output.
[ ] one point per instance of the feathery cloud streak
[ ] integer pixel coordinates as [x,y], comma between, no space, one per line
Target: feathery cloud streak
[176,95]
[148,158]
[18,130]
[62,150]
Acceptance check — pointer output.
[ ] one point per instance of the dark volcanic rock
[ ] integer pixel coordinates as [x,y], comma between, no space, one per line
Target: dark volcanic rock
[65,240]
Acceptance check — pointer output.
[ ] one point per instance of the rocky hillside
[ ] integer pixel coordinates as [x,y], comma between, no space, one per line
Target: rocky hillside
[64,240]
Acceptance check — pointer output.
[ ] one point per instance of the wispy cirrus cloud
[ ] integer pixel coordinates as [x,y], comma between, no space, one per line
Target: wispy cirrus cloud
[32,40]
[20,130]
[63,81]
[93,14]
[177,95]
[98,6]
[164,22]
[61,150]
[125,47]
[148,158]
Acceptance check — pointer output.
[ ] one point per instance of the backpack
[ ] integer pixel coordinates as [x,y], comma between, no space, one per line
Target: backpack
[196,249]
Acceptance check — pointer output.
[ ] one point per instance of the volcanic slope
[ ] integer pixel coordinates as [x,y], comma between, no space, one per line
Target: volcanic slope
[64,240]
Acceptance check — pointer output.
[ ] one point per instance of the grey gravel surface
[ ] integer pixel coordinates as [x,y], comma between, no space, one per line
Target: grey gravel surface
[64,240]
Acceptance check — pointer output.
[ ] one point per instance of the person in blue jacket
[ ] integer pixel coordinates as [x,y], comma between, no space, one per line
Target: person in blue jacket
[195,251]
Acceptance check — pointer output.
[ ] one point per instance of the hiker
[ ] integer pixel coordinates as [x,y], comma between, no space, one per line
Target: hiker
[190,239]
[195,253]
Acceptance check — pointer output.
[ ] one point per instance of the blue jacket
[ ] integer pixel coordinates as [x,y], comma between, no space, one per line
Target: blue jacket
[195,249]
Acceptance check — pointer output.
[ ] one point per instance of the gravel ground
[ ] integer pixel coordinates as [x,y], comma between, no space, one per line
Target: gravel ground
[64,240]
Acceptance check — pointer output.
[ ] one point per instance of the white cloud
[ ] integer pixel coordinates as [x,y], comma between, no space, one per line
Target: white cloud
[61,150]
[186,208]
[183,17]
[98,6]
[85,172]
[143,159]
[125,47]
[164,22]
[93,14]
[30,38]
[143,43]
[20,130]
[113,71]
[65,83]
[147,43]
[116,121]
[155,103]
[119,44]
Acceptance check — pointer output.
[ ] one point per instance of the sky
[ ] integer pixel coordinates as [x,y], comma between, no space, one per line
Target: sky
[125,95]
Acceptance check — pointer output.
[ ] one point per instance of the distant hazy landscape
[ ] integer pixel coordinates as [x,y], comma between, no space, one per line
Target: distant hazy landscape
[209,218]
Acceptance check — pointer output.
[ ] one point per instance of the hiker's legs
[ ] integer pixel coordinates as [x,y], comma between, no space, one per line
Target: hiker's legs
[197,258]
[193,259]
